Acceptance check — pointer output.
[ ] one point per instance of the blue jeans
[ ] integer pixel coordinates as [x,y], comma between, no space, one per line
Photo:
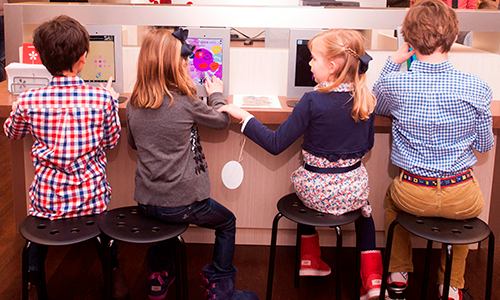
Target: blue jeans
[207,214]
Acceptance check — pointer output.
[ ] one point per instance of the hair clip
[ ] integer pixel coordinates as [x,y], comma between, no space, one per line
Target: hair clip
[182,34]
[363,63]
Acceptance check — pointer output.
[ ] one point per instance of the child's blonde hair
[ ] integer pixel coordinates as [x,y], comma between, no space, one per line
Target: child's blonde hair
[160,69]
[345,46]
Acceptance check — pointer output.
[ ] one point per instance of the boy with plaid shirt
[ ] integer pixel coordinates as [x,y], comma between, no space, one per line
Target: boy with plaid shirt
[439,116]
[71,124]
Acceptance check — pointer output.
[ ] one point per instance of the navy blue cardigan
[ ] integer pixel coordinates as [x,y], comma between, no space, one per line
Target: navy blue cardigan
[326,123]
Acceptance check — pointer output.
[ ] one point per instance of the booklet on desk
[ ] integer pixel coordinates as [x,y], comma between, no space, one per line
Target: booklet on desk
[30,55]
[22,77]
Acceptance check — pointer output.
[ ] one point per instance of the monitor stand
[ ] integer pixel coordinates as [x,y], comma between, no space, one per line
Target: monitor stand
[292,103]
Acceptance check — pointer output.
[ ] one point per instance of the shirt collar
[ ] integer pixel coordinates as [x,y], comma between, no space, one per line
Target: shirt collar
[66,81]
[344,87]
[418,66]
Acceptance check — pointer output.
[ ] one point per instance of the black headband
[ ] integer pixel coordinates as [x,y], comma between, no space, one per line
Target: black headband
[182,35]
[363,63]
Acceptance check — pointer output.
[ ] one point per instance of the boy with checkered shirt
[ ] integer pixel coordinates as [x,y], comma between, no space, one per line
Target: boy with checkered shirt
[439,116]
[71,124]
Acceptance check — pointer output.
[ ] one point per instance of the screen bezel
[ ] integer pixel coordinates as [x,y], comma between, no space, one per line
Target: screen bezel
[215,33]
[293,91]
[116,31]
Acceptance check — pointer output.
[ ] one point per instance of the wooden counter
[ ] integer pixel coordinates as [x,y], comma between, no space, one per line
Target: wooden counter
[266,179]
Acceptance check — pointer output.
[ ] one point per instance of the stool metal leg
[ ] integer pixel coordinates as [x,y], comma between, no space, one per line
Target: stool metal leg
[272,256]
[298,245]
[489,270]
[447,271]
[428,254]
[338,276]
[181,270]
[26,248]
[388,248]
[42,254]
[357,284]
[108,272]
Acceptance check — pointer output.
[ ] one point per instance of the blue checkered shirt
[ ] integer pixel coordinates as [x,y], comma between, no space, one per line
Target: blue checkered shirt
[439,115]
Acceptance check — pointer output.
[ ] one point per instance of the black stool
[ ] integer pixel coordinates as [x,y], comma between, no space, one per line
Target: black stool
[54,233]
[293,209]
[448,232]
[128,224]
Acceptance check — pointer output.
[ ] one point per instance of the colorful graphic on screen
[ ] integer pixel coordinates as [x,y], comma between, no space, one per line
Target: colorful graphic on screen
[303,74]
[206,60]
[100,64]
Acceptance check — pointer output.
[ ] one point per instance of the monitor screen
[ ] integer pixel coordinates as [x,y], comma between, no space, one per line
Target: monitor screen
[104,58]
[206,60]
[300,77]
[303,74]
[100,63]
[210,57]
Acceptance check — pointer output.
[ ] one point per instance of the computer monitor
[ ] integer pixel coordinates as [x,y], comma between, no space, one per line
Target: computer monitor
[330,3]
[105,56]
[210,57]
[300,77]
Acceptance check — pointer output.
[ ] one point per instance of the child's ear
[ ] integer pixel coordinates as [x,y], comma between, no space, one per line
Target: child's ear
[332,67]
[83,58]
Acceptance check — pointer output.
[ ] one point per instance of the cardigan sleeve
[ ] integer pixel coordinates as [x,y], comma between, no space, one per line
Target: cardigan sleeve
[277,141]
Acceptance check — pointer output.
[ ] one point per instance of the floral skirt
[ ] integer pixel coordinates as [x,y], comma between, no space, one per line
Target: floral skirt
[334,194]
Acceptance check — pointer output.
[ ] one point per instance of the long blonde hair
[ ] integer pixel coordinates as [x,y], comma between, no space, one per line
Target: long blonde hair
[345,46]
[160,69]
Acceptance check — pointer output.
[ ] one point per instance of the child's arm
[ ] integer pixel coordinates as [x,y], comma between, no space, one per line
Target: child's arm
[209,116]
[112,126]
[381,89]
[277,141]
[15,127]
[484,127]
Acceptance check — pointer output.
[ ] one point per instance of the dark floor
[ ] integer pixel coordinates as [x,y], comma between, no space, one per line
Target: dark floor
[74,272]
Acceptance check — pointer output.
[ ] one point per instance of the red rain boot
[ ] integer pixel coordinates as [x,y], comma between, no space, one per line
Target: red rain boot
[310,257]
[371,274]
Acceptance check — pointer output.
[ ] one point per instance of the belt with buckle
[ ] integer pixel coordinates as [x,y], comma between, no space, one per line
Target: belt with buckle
[332,170]
[433,182]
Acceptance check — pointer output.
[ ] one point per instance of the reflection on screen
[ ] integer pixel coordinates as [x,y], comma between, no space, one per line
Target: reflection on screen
[303,74]
[206,60]
[100,63]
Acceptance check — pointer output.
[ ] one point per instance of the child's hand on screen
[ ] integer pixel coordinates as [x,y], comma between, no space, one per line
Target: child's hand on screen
[235,111]
[110,89]
[14,105]
[403,54]
[213,85]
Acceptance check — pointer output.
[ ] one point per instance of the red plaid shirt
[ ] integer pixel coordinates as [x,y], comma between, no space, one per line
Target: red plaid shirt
[71,124]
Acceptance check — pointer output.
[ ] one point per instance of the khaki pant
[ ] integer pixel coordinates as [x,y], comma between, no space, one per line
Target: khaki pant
[462,201]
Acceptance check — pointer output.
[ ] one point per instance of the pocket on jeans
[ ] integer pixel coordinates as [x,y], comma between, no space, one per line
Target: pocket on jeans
[464,201]
[473,210]
[408,198]
[176,214]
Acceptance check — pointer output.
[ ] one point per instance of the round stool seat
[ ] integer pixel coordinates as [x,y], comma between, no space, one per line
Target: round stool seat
[60,232]
[446,231]
[128,224]
[293,209]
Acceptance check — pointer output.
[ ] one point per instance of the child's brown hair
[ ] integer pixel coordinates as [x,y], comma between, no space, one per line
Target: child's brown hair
[61,42]
[160,69]
[430,25]
[345,46]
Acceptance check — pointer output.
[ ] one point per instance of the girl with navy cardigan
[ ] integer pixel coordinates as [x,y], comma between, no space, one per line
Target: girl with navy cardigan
[336,120]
